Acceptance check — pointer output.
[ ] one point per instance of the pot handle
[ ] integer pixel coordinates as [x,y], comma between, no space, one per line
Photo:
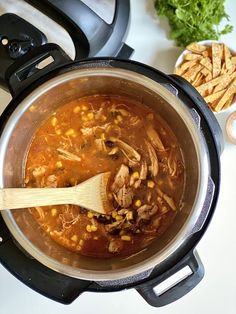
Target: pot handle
[203,108]
[30,68]
[179,289]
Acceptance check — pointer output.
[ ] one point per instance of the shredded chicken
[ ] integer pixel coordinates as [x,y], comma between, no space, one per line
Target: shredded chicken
[100,145]
[143,171]
[40,212]
[153,158]
[172,163]
[114,246]
[154,138]
[129,151]
[135,121]
[137,184]
[124,196]
[51,181]
[39,171]
[167,198]
[114,226]
[124,113]
[69,217]
[145,212]
[91,131]
[113,151]
[120,108]
[121,178]
[67,155]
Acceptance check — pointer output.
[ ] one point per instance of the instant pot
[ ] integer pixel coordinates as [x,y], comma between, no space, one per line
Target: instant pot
[41,78]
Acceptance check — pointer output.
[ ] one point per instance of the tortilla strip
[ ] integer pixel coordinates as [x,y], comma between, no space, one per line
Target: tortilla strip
[205,54]
[205,71]
[223,69]
[210,90]
[192,56]
[212,83]
[198,79]
[185,66]
[206,62]
[216,59]
[229,102]
[194,47]
[214,96]
[192,72]
[232,70]
[227,55]
[233,60]
[208,77]
[225,82]
[231,90]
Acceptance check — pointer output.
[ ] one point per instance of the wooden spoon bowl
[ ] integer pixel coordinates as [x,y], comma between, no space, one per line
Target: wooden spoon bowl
[90,194]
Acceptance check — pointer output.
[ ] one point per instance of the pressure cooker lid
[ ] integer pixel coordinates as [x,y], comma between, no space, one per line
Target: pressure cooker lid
[97,28]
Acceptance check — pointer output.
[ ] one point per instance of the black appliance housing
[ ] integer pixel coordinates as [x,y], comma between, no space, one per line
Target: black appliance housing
[21,75]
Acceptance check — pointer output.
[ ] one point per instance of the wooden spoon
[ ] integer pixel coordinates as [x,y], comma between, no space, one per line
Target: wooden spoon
[91,194]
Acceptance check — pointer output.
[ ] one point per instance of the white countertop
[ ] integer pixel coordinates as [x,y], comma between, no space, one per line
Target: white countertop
[216,293]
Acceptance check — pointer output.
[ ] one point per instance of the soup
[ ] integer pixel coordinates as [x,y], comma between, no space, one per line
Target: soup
[104,133]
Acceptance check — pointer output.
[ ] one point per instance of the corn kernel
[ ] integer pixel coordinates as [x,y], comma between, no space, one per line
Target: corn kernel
[95,238]
[84,107]
[76,109]
[59,164]
[116,121]
[122,232]
[53,212]
[88,228]
[85,119]
[70,132]
[135,175]
[138,203]
[93,228]
[81,242]
[74,238]
[32,108]
[58,132]
[114,214]
[119,118]
[90,215]
[103,137]
[118,217]
[164,210]
[86,236]
[159,199]
[54,121]
[125,238]
[129,215]
[150,184]
[90,115]
[78,248]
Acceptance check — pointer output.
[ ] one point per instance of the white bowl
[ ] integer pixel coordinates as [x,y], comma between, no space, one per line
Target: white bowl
[209,43]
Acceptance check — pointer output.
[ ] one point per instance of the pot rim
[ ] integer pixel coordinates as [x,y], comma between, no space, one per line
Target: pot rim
[203,167]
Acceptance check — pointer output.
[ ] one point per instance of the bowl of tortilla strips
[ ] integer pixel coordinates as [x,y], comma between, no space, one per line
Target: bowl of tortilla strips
[210,66]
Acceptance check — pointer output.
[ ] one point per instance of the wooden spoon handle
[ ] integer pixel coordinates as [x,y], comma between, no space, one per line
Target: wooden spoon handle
[11,198]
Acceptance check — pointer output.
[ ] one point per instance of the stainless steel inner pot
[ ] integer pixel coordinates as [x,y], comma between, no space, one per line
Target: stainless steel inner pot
[40,104]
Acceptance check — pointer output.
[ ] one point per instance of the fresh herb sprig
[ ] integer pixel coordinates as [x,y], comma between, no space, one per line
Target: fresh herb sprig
[193,20]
